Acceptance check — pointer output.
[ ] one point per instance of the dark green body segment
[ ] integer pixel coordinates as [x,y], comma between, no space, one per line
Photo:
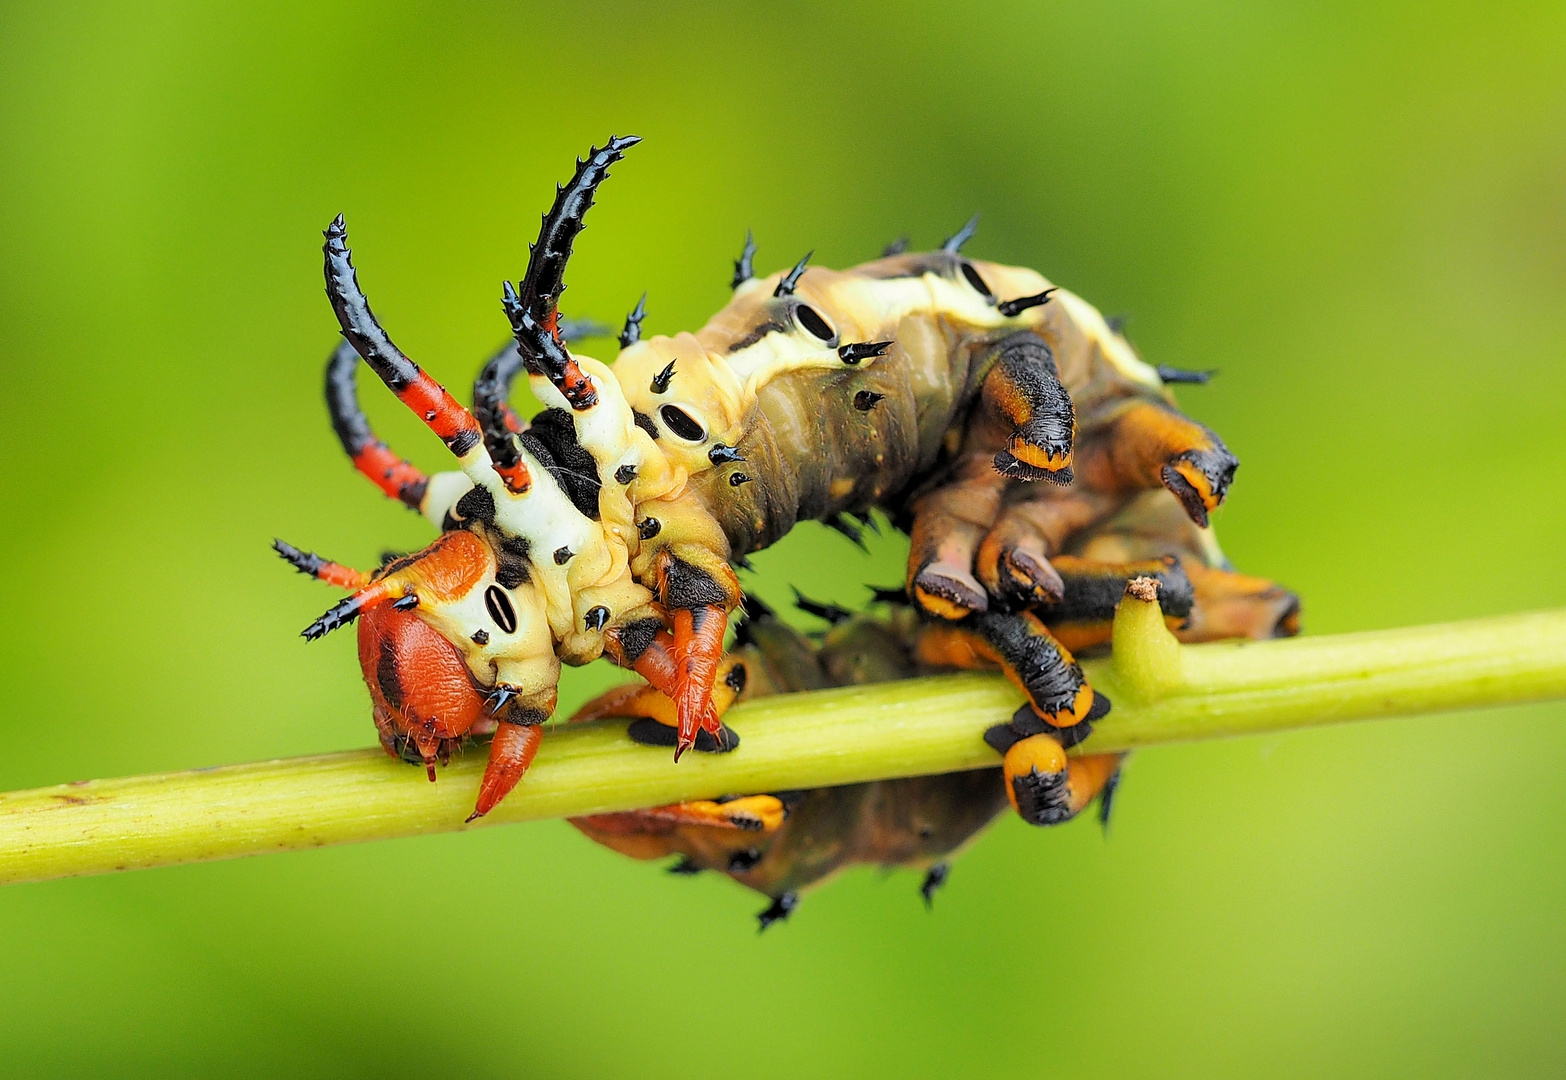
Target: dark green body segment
[821,456]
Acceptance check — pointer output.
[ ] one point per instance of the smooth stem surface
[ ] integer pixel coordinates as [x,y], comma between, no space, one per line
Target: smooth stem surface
[1162,692]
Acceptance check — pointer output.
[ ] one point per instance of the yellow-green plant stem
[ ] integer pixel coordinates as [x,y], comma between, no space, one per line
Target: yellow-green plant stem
[1162,692]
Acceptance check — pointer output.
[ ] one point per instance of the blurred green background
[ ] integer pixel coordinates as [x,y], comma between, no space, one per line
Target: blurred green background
[1357,213]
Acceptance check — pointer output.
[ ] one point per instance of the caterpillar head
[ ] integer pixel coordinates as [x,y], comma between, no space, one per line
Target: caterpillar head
[446,649]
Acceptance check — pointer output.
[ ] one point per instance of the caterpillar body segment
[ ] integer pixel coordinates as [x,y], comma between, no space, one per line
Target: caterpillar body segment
[816,393]
[765,411]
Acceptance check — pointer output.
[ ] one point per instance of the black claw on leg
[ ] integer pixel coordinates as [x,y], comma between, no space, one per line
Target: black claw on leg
[782,907]
[934,878]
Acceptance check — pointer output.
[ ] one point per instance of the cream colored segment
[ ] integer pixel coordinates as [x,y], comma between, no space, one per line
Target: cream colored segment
[874,303]
[1114,348]
[608,432]
[603,428]
[548,521]
[756,285]
[441,495]
[621,597]
[703,385]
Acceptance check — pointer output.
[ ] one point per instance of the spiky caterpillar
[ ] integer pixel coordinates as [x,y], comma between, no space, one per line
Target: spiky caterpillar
[812,394]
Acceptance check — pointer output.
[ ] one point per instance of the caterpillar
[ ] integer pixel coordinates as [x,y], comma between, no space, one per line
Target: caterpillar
[989,412]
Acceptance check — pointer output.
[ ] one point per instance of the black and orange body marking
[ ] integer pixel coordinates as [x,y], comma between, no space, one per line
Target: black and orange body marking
[425,397]
[1046,787]
[1139,444]
[307,562]
[1024,387]
[1022,647]
[533,306]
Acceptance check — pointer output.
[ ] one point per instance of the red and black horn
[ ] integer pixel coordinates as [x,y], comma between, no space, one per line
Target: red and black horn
[369,453]
[426,397]
[533,304]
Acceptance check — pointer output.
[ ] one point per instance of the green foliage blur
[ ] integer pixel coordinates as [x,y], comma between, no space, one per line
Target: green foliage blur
[1356,212]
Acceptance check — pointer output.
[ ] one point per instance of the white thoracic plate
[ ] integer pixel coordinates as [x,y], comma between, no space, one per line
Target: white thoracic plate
[606,430]
[441,495]
[545,517]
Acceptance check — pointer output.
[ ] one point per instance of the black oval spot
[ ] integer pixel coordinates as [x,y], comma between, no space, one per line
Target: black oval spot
[814,324]
[498,604]
[975,280]
[649,528]
[681,423]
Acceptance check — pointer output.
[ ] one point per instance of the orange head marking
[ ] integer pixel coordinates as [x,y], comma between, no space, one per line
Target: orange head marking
[425,699]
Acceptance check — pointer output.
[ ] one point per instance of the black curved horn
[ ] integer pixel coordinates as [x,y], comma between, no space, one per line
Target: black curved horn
[532,305]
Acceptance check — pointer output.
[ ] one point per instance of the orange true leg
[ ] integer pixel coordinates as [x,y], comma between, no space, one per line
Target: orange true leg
[698,647]
[510,754]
